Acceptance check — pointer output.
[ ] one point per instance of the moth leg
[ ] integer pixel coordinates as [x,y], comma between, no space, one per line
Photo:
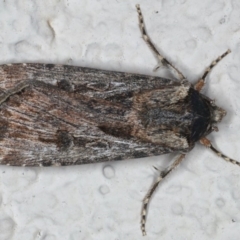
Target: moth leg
[146,200]
[146,38]
[204,141]
[200,83]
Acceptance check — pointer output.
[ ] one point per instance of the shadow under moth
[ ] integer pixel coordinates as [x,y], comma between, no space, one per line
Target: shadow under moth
[65,115]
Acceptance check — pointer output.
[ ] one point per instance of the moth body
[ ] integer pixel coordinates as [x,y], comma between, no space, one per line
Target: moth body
[65,115]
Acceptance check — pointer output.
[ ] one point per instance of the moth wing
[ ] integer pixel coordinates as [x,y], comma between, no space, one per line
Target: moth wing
[57,120]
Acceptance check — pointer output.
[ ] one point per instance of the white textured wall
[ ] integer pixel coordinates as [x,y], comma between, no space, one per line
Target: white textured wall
[201,199]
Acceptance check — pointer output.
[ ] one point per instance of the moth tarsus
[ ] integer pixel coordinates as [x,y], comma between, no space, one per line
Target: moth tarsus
[147,39]
[147,198]
[59,115]
[203,140]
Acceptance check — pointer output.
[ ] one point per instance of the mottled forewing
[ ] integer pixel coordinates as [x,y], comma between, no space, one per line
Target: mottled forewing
[65,115]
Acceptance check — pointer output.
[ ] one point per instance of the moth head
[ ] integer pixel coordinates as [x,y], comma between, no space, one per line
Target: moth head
[217,113]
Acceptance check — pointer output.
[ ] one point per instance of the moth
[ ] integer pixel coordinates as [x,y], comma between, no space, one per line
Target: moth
[66,115]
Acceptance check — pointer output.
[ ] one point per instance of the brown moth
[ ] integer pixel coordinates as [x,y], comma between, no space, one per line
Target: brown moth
[66,115]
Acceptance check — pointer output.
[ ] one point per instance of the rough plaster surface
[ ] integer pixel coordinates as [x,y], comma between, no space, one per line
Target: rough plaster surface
[201,199]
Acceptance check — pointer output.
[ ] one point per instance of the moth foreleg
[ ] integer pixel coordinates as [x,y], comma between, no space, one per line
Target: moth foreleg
[146,200]
[200,83]
[147,39]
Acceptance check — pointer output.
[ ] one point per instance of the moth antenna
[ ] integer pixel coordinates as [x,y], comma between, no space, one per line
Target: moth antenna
[204,141]
[147,198]
[201,82]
